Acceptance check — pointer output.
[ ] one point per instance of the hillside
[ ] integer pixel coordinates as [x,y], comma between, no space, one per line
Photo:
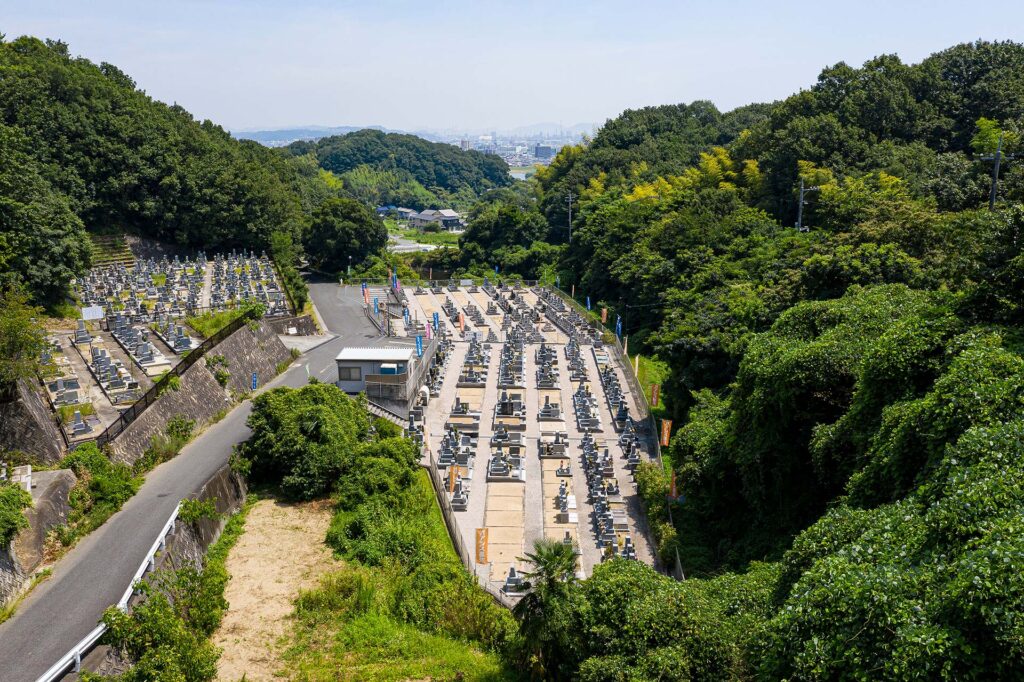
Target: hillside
[406,170]
[81,147]
[847,399]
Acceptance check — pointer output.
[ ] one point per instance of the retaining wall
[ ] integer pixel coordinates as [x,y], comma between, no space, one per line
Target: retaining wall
[253,348]
[27,424]
[186,546]
[49,508]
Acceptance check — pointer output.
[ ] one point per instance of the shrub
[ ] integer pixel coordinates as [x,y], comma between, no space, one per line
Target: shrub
[193,510]
[13,501]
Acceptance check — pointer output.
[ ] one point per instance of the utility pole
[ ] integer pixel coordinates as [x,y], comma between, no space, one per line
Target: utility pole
[569,200]
[800,207]
[997,157]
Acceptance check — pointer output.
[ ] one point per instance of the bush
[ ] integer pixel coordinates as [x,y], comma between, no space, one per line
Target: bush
[13,501]
[304,439]
[167,634]
[102,489]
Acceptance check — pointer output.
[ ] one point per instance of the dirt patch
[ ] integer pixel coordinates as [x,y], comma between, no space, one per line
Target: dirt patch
[281,551]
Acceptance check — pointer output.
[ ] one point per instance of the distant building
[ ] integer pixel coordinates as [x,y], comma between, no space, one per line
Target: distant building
[404,213]
[447,219]
[465,145]
[543,151]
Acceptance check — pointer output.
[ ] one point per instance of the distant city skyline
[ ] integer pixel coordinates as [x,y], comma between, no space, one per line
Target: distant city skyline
[487,65]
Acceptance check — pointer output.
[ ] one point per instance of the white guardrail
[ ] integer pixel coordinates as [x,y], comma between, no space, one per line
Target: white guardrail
[73,658]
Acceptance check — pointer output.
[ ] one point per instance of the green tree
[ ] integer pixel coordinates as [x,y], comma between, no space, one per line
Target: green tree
[22,339]
[542,610]
[343,228]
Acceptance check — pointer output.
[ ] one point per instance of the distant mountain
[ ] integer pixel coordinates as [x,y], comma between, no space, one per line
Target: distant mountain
[285,136]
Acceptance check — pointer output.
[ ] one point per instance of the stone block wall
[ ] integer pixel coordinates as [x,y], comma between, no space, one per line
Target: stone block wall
[304,325]
[27,424]
[199,396]
[253,348]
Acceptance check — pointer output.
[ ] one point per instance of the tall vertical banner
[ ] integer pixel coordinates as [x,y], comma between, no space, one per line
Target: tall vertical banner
[673,493]
[430,273]
[495,269]
[405,314]
[573,294]
[376,306]
[419,346]
[618,326]
[604,316]
[666,431]
[453,476]
[462,322]
[481,546]
[437,321]
[655,394]
[430,328]
[398,284]
[588,303]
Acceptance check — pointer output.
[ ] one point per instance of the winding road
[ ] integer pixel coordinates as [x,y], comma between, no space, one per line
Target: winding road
[58,613]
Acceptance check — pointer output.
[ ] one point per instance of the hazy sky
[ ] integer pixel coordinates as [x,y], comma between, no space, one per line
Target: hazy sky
[415,64]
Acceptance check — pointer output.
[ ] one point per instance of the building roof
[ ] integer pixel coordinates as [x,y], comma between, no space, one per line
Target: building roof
[448,213]
[379,354]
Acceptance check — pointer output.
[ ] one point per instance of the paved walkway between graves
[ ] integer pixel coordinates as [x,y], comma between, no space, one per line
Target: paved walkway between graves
[95,573]
[281,552]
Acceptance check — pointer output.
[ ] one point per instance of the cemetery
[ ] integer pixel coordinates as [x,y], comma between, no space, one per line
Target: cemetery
[133,328]
[515,467]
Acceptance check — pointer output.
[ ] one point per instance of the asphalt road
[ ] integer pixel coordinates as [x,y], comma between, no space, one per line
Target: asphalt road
[58,613]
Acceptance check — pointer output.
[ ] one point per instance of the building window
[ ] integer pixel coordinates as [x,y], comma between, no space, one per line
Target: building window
[349,374]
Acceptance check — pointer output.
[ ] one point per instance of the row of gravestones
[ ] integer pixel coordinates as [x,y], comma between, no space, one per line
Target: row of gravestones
[242,278]
[113,377]
[135,341]
[181,291]
[610,520]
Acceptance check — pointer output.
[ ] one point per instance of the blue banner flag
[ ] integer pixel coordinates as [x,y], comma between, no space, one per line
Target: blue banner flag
[406,311]
[618,326]
[495,269]
[419,346]
[437,322]
[588,303]
[255,381]
[364,286]
[376,307]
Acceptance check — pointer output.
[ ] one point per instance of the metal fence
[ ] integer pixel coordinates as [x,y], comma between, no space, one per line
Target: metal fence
[149,397]
[73,658]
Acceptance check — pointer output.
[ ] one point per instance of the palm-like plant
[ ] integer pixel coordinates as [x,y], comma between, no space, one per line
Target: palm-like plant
[547,587]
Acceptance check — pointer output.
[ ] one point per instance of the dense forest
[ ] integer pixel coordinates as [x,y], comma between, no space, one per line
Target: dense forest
[847,397]
[405,170]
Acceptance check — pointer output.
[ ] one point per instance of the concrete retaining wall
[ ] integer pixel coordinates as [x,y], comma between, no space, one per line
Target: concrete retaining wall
[49,508]
[186,546]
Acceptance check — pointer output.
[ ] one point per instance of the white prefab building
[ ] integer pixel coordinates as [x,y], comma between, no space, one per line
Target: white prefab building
[382,372]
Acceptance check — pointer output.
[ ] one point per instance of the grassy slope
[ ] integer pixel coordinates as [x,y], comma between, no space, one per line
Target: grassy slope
[331,643]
